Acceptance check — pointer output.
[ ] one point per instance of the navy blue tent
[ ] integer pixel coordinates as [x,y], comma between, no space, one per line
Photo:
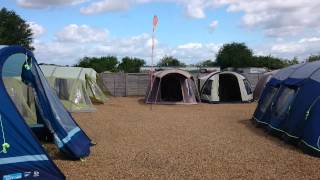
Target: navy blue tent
[262,112]
[294,110]
[286,104]
[21,154]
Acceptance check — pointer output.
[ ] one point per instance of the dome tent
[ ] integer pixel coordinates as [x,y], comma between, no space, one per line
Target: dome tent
[224,86]
[294,111]
[75,86]
[20,150]
[172,86]
[262,83]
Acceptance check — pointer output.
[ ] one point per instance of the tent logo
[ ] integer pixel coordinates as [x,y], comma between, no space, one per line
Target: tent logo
[36,174]
[12,176]
[27,174]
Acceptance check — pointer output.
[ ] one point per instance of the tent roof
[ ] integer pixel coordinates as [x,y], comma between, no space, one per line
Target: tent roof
[222,72]
[305,71]
[286,72]
[68,72]
[161,74]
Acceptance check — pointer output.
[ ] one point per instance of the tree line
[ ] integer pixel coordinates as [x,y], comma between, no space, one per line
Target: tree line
[16,31]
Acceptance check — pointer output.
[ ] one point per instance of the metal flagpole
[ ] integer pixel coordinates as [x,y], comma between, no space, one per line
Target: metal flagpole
[154,26]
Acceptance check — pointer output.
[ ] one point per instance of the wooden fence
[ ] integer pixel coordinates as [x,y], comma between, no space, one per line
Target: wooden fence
[135,84]
[126,84]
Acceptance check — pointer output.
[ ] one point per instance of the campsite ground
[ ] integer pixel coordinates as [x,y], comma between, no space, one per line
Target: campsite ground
[205,141]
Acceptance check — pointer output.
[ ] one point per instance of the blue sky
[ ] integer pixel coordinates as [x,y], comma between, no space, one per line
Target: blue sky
[66,30]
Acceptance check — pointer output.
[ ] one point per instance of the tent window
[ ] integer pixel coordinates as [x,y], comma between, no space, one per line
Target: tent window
[207,88]
[266,101]
[247,86]
[61,87]
[229,90]
[284,101]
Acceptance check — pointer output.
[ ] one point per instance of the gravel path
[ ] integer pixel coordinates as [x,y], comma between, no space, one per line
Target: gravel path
[205,141]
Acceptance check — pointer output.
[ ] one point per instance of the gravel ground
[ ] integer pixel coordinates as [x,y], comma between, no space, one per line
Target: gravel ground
[205,141]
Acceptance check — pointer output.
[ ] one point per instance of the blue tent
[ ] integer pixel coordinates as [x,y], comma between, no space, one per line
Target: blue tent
[294,110]
[262,112]
[21,154]
[285,104]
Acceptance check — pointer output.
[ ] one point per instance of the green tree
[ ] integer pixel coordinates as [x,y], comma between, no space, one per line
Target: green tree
[234,55]
[271,62]
[312,58]
[207,63]
[14,30]
[169,61]
[131,65]
[99,64]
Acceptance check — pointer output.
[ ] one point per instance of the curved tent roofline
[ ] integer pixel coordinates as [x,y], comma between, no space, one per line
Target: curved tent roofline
[286,72]
[305,71]
[161,74]
[65,72]
[209,76]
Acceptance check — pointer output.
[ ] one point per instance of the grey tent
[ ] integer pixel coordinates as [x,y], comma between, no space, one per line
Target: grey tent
[262,83]
[172,86]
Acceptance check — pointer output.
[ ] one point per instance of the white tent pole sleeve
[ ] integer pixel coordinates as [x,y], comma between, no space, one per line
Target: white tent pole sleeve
[73,84]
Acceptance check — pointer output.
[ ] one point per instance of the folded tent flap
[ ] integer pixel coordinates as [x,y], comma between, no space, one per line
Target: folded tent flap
[75,143]
[95,93]
[21,154]
[68,136]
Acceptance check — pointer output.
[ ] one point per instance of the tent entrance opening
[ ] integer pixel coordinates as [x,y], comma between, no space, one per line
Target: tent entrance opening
[229,90]
[171,88]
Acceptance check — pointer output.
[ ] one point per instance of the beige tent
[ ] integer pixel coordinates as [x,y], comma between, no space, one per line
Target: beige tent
[262,83]
[224,86]
[172,86]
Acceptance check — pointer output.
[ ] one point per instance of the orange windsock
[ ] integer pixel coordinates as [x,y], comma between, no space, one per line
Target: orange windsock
[155,22]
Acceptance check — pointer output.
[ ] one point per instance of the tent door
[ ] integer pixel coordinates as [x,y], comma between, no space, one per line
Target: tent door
[229,89]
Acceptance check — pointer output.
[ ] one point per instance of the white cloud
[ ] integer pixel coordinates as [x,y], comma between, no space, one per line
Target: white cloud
[190,46]
[81,34]
[277,17]
[213,25]
[37,29]
[195,9]
[76,41]
[301,48]
[105,6]
[46,3]
[310,40]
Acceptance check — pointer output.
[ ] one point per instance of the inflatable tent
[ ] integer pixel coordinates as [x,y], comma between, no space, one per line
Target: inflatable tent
[224,87]
[21,154]
[294,110]
[262,83]
[172,86]
[75,86]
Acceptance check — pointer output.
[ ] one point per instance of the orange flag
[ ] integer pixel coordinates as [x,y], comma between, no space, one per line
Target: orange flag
[155,22]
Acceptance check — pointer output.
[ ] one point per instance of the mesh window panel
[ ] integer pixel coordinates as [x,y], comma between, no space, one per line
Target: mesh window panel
[17,90]
[247,86]
[207,88]
[268,99]
[284,101]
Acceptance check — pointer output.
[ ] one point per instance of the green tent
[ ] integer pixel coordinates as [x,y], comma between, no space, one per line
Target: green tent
[75,86]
